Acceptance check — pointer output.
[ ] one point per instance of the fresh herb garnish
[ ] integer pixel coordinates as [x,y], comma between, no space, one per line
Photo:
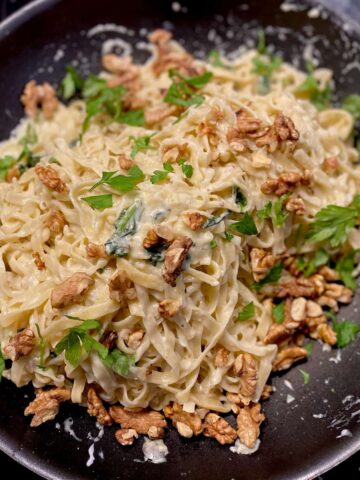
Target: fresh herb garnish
[352,105]
[42,347]
[272,277]
[333,223]
[246,225]
[265,212]
[278,312]
[306,376]
[309,348]
[309,265]
[345,267]
[71,83]
[246,313]
[186,168]
[183,91]
[125,225]
[311,88]
[99,202]
[261,45]
[119,361]
[121,183]
[141,144]
[160,175]
[238,196]
[215,59]
[228,236]
[5,164]
[215,220]
[276,211]
[30,137]
[213,244]
[265,68]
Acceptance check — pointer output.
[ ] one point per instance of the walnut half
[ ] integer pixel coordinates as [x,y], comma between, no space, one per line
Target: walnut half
[46,405]
[180,418]
[218,428]
[20,344]
[142,421]
[97,409]
[71,290]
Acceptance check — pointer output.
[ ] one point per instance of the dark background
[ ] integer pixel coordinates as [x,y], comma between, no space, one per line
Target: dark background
[349,470]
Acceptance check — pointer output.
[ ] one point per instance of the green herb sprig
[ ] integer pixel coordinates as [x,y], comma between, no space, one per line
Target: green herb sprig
[246,313]
[121,183]
[99,202]
[183,91]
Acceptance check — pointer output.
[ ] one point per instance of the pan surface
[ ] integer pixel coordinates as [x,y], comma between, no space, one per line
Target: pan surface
[310,428]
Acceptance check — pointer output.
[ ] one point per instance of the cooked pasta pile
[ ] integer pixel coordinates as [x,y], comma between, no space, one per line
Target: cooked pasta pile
[190,256]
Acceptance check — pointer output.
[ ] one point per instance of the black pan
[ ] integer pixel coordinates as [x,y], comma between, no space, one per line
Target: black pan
[300,439]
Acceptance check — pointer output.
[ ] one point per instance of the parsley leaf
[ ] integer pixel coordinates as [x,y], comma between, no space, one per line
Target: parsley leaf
[246,313]
[265,70]
[345,267]
[310,265]
[182,92]
[306,376]
[309,348]
[279,213]
[2,364]
[352,105]
[272,277]
[140,144]
[333,223]
[261,45]
[265,212]
[42,347]
[121,183]
[71,83]
[215,59]
[345,331]
[278,312]
[186,168]
[228,236]
[99,202]
[5,164]
[239,198]
[119,361]
[30,137]
[160,175]
[246,225]
[310,87]
[213,244]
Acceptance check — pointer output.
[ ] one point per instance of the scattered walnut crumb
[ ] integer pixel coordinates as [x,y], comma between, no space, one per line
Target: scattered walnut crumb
[331,165]
[295,205]
[161,235]
[94,250]
[43,95]
[218,428]
[40,265]
[187,424]
[109,339]
[50,178]
[221,358]
[193,220]
[46,405]
[168,308]
[326,334]
[286,182]
[261,262]
[134,339]
[287,356]
[267,391]
[71,290]
[245,368]
[174,258]
[20,344]
[126,436]
[141,420]
[55,221]
[248,421]
[282,130]
[298,309]
[121,288]
[329,274]
[13,173]
[96,408]
[299,287]
[125,162]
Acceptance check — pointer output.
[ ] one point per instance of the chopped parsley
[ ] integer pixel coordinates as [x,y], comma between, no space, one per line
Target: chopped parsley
[309,265]
[186,168]
[246,313]
[30,137]
[71,83]
[261,45]
[238,196]
[119,361]
[345,267]
[141,144]
[99,202]
[213,244]
[42,347]
[278,312]
[5,164]
[215,59]
[160,175]
[265,212]
[265,64]
[273,276]
[306,376]
[275,211]
[228,236]
[183,91]
[346,331]
[310,87]
[121,183]
[309,348]
[246,225]
[352,105]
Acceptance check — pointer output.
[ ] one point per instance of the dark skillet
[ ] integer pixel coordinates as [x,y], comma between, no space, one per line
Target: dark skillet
[295,444]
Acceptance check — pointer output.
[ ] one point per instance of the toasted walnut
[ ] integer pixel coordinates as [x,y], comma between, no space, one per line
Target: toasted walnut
[13,173]
[96,251]
[221,357]
[97,409]
[312,324]
[327,301]
[168,308]
[286,357]
[160,36]
[248,421]
[43,95]
[208,129]
[218,428]
[298,309]
[20,344]
[193,220]
[124,72]
[125,162]
[121,288]
[126,436]
[331,165]
[72,290]
[261,262]
[134,339]
[55,221]
[290,263]
[46,405]
[295,205]
[40,265]
[174,258]
[237,141]
[140,420]
[313,309]
[157,115]
[267,391]
[173,153]
[300,287]
[246,123]
[49,177]
[109,339]
[182,419]
[282,130]
[245,367]
[329,274]
[339,292]
[326,333]
[286,182]
[161,235]
[279,332]
[235,400]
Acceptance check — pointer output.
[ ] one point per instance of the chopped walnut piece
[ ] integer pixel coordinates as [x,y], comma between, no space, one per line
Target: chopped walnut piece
[124,72]
[125,162]
[286,182]
[71,290]
[312,324]
[121,288]
[20,344]
[50,177]
[246,123]
[94,250]
[295,205]
[245,368]
[108,339]
[282,130]
[55,221]
[237,142]
[267,391]
[298,309]
[12,173]
[329,274]
[331,165]
[193,220]
[300,287]
[126,436]
[326,333]
[157,115]
[40,265]
[173,153]
[168,308]
[43,95]
[158,236]
[279,332]
[174,258]
[313,309]
[261,262]
[218,428]
[46,405]
[160,36]
[178,416]
[286,357]
[140,420]
[339,292]
[134,339]
[96,408]
[248,421]
[221,357]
